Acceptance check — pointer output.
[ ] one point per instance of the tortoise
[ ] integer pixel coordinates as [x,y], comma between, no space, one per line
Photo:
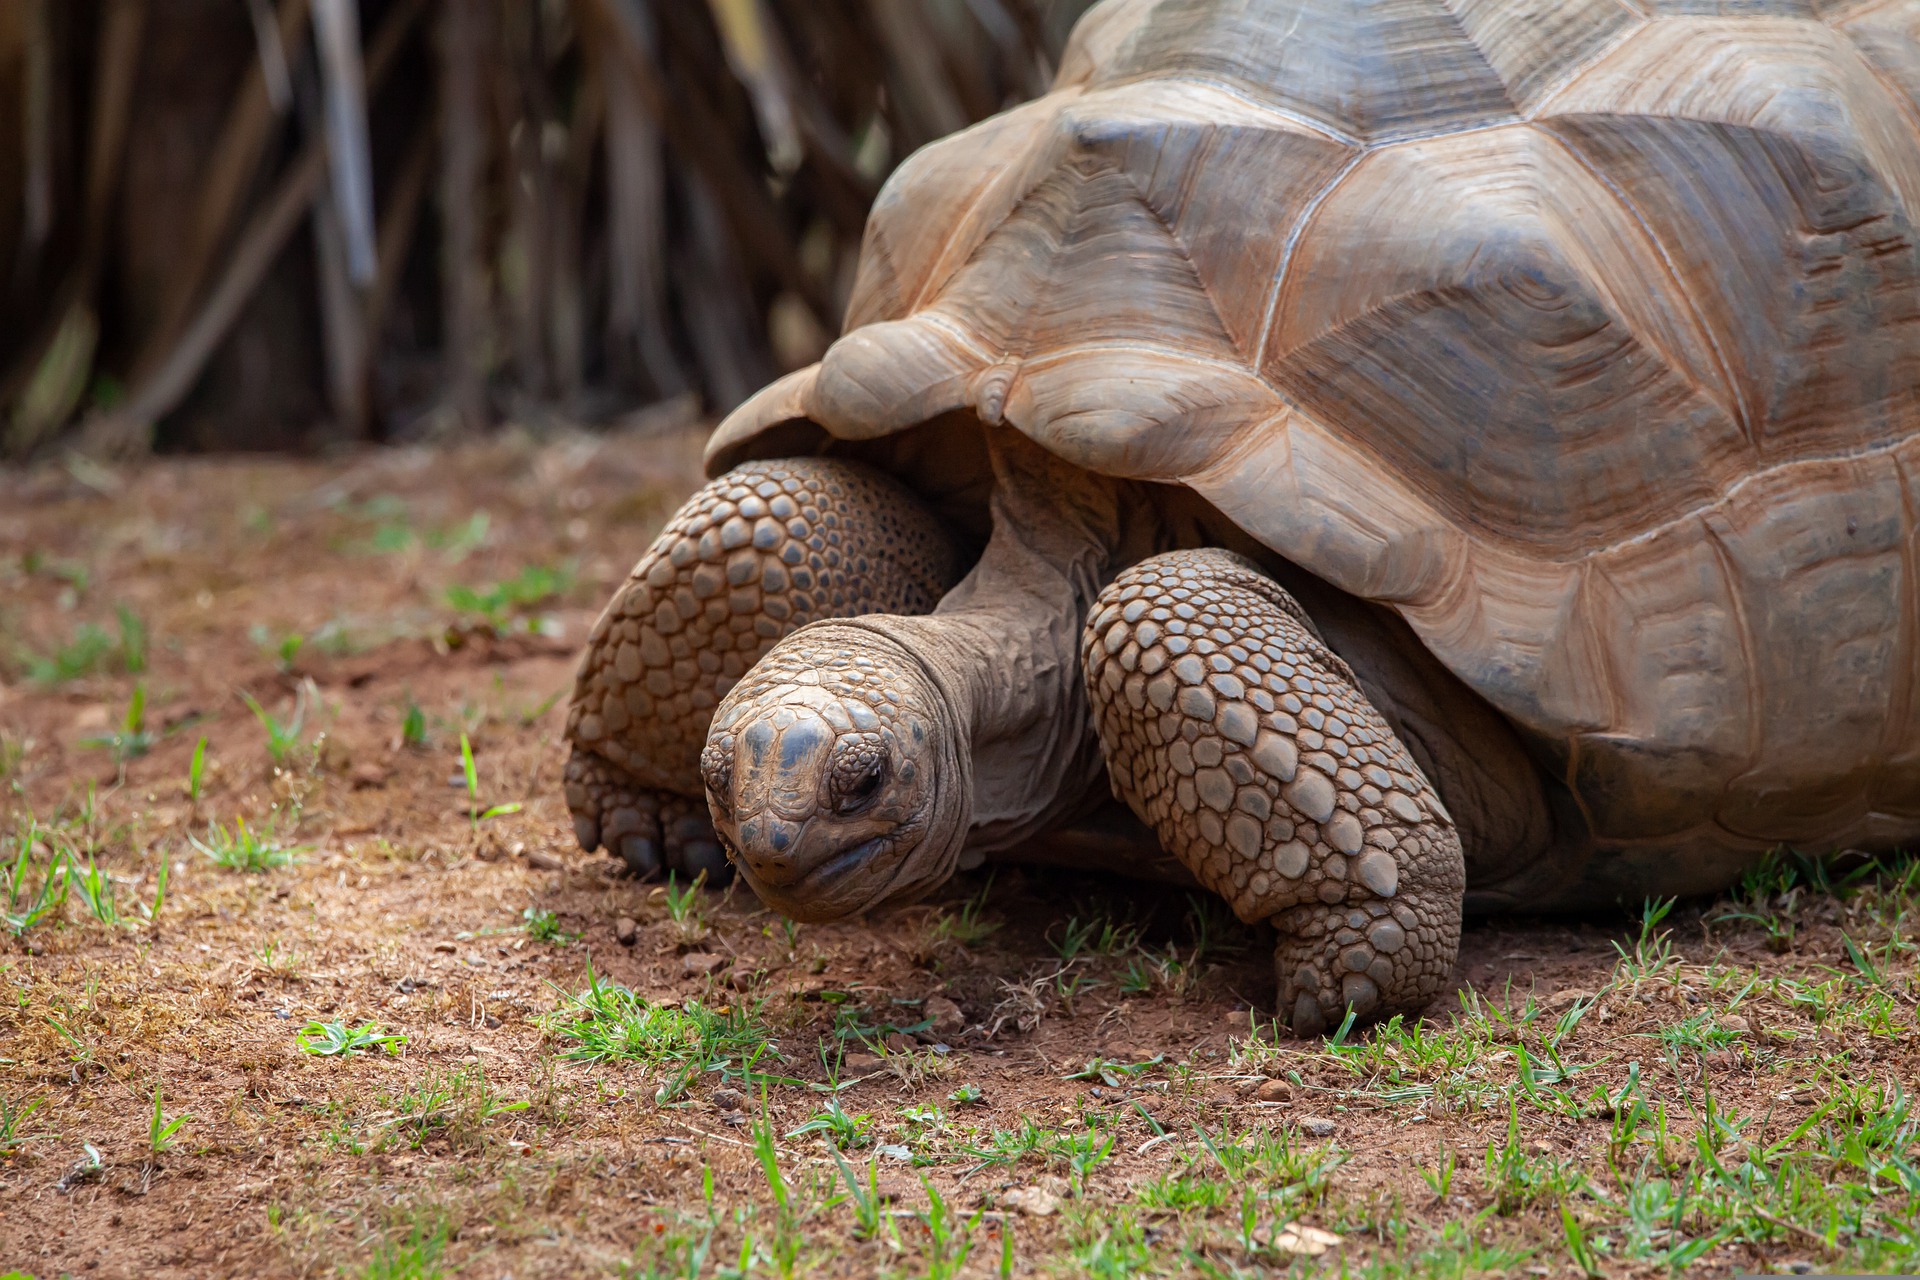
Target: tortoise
[1417,455]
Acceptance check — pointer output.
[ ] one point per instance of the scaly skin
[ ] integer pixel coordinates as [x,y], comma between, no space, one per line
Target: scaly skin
[754,556]
[1248,747]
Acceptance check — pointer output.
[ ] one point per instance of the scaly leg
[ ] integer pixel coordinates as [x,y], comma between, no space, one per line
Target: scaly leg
[754,556]
[1246,744]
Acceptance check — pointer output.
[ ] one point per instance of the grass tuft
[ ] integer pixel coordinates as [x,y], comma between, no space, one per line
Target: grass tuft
[241,848]
[337,1040]
[610,1023]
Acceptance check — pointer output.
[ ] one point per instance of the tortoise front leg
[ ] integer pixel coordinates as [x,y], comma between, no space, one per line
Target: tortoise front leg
[1248,747]
[754,556]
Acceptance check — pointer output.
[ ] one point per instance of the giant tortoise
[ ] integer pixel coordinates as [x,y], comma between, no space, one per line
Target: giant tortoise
[1402,449]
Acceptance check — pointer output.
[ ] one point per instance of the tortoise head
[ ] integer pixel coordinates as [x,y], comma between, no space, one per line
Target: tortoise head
[835,774]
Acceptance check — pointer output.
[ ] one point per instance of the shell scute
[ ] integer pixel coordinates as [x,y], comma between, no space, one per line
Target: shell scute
[1585,335]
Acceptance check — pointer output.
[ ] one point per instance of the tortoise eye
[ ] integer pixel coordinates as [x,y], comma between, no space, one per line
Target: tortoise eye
[863,791]
[858,776]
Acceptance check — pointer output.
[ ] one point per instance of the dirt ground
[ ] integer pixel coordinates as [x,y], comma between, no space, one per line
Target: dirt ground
[1036,1073]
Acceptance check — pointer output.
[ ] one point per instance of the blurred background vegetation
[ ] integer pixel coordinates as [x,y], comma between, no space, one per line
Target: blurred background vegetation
[289,224]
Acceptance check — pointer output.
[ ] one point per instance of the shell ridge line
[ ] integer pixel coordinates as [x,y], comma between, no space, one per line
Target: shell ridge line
[1571,781]
[1183,196]
[1861,9]
[1186,256]
[1650,339]
[1238,93]
[1742,411]
[929,288]
[1583,598]
[1463,511]
[1904,107]
[962,334]
[1898,731]
[1733,490]
[1305,216]
[1756,728]
[1565,80]
[1446,10]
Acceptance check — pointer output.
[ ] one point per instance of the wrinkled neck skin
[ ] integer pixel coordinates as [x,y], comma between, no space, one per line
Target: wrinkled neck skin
[1003,646]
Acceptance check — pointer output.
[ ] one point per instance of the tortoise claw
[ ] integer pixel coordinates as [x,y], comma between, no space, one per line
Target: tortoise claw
[654,832]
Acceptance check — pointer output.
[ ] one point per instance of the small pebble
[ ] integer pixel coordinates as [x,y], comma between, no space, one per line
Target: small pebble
[702,963]
[1274,1091]
[1316,1127]
[727,1099]
[625,930]
[946,1015]
[1033,1201]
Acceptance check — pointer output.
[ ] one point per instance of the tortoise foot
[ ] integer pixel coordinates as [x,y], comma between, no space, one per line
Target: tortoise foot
[1246,744]
[1373,955]
[656,833]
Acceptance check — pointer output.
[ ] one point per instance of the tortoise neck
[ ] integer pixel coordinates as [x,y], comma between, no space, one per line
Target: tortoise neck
[1005,643]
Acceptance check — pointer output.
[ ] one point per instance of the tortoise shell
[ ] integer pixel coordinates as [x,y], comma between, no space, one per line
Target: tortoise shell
[1584,334]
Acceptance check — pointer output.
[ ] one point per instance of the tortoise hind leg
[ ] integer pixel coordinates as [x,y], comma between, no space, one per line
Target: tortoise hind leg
[1248,747]
[752,557]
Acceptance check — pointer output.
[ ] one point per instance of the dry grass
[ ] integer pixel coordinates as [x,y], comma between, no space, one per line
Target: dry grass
[1725,1088]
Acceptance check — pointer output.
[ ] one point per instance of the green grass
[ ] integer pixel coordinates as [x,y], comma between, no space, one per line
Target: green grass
[686,907]
[967,927]
[197,771]
[394,533]
[1093,937]
[413,726]
[241,848]
[28,907]
[500,604]
[162,1133]
[415,1256]
[282,735]
[337,1040]
[610,1023]
[13,754]
[14,1115]
[457,1104]
[132,739]
[284,650]
[91,651]
[543,926]
[95,889]
[845,1131]
[471,774]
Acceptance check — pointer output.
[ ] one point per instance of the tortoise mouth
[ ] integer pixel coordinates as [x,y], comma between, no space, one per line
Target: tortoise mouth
[840,884]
